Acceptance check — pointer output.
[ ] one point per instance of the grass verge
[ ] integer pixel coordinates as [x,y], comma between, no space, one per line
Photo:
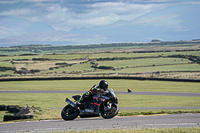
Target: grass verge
[57,100]
[153,112]
[155,130]
[116,84]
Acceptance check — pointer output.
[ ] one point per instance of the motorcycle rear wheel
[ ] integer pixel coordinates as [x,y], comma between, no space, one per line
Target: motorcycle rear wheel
[110,113]
[69,113]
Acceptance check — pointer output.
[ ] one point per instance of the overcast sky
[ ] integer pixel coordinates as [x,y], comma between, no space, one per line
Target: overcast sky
[65,15]
[68,14]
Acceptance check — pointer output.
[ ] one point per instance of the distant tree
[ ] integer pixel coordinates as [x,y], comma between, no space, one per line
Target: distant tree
[155,40]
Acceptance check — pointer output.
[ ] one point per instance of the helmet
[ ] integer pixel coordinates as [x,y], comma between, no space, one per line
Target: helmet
[103,85]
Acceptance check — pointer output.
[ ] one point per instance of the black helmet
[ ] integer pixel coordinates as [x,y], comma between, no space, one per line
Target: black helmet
[103,85]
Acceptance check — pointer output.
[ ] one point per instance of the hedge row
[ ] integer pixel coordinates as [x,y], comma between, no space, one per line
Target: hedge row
[100,77]
[7,68]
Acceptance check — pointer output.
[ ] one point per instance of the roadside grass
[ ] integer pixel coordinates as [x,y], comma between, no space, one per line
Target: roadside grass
[143,130]
[156,112]
[157,101]
[49,106]
[43,100]
[57,100]
[116,84]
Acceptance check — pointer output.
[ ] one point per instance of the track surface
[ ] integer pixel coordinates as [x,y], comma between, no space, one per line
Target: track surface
[158,121]
[117,92]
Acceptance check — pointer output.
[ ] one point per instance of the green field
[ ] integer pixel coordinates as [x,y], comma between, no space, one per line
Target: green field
[128,55]
[132,62]
[146,70]
[143,62]
[9,58]
[65,56]
[49,101]
[57,100]
[117,85]
[51,57]
[134,66]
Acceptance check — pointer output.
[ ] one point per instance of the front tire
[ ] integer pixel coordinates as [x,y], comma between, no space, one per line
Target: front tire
[108,114]
[69,113]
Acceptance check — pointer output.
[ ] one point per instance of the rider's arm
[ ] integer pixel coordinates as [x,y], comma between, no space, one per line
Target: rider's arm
[95,89]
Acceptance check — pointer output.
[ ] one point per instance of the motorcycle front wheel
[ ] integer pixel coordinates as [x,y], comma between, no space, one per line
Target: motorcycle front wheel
[108,114]
[69,113]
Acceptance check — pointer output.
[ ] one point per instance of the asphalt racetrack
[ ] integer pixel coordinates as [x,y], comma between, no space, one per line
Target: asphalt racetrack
[117,92]
[132,122]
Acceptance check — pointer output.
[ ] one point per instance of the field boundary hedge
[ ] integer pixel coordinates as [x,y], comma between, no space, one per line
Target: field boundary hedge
[100,77]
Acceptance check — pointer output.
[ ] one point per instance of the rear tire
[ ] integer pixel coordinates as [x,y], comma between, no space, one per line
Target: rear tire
[69,113]
[110,113]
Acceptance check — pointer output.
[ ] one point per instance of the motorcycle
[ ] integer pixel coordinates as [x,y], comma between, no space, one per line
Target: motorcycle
[99,105]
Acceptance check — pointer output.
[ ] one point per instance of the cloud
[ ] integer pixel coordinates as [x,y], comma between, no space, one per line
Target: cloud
[17,12]
[63,18]
[63,15]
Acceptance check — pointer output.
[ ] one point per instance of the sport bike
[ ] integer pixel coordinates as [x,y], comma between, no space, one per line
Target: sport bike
[98,105]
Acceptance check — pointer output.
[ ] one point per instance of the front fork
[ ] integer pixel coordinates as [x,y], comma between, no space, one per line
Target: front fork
[108,107]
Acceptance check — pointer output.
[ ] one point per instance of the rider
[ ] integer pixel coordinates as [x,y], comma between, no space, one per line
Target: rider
[101,89]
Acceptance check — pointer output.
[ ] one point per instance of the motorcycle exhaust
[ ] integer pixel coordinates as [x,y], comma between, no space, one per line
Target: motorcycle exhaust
[70,102]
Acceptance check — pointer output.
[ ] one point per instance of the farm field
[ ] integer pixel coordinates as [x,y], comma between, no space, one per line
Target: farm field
[137,54]
[50,57]
[165,64]
[42,65]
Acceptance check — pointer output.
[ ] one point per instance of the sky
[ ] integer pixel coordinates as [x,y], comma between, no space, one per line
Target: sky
[24,18]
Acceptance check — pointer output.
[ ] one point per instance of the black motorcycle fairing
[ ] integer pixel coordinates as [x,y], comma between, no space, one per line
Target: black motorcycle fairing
[97,105]
[76,97]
